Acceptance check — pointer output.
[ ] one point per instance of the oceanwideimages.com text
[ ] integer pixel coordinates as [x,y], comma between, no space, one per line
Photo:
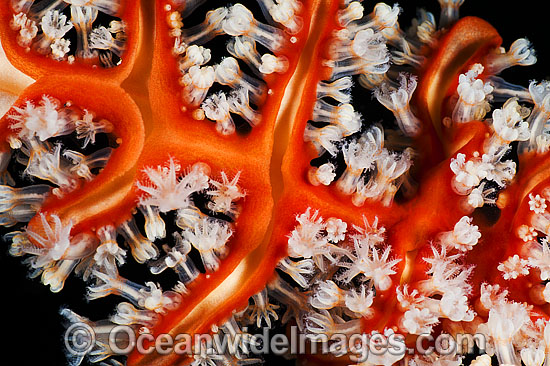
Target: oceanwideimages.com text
[122,340]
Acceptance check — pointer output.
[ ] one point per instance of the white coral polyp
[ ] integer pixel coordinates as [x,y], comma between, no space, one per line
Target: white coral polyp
[468,174]
[479,196]
[108,254]
[513,267]
[473,91]
[537,204]
[474,96]
[446,273]
[155,300]
[167,191]
[127,314]
[271,64]
[209,237]
[505,321]
[371,263]
[360,302]
[239,20]
[27,29]
[327,295]
[196,83]
[397,101]
[520,53]
[408,299]
[194,56]
[475,198]
[463,237]
[418,321]
[225,194]
[539,257]
[55,24]
[508,122]
[43,121]
[359,156]
[368,45]
[284,12]
[202,77]
[60,48]
[57,244]
[306,239]
[527,233]
[454,305]
[324,175]
[336,229]
[217,108]
[56,239]
[533,356]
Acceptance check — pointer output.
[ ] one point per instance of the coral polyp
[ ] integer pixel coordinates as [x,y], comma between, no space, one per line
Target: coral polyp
[368,186]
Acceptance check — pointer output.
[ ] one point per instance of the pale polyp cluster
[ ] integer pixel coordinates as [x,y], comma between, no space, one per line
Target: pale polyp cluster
[370,263]
[284,12]
[27,29]
[332,305]
[44,121]
[327,261]
[364,157]
[48,31]
[533,232]
[369,43]
[171,191]
[21,204]
[444,293]
[360,47]
[311,240]
[147,305]
[165,189]
[54,251]
[508,126]
[471,174]
[366,47]
[510,333]
[512,122]
[244,32]
[34,125]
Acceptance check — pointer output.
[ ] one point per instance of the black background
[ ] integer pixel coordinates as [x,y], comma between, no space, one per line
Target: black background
[31,328]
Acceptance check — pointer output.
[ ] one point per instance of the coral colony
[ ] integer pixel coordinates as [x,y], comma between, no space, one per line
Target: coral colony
[433,223]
